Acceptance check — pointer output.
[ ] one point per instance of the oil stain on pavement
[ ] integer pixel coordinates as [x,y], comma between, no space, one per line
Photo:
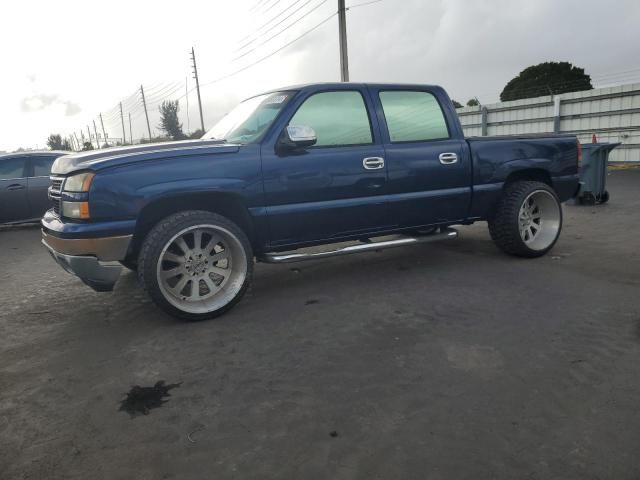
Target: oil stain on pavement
[141,400]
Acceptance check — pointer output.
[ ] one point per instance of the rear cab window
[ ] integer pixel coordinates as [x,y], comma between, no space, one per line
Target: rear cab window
[413,116]
[339,118]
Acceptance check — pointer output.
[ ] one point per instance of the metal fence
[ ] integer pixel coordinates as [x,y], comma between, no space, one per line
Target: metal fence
[612,114]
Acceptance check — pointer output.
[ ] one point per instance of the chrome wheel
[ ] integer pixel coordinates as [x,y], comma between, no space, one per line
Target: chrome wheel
[539,220]
[202,268]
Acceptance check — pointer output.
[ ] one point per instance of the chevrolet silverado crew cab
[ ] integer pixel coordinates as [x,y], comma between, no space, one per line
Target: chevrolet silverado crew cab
[375,165]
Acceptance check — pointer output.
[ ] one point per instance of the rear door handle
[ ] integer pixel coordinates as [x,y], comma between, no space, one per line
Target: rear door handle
[448,158]
[373,163]
[15,186]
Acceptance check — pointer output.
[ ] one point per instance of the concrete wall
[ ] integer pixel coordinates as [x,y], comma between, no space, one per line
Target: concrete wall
[613,114]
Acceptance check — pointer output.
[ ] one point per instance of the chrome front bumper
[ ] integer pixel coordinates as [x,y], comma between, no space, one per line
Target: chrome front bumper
[91,260]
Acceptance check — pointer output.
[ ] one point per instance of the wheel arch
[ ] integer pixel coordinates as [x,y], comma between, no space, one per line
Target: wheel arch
[534,174]
[229,205]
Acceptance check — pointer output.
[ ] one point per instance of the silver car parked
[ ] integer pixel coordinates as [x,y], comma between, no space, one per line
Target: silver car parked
[24,180]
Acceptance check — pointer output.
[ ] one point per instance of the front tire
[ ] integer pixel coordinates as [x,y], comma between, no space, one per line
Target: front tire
[528,219]
[129,264]
[196,265]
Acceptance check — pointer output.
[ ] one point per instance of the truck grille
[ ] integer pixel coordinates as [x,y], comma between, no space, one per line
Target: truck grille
[55,193]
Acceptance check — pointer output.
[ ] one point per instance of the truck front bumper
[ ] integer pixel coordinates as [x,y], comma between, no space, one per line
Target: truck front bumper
[92,260]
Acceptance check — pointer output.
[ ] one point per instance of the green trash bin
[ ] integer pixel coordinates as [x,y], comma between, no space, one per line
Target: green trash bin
[593,173]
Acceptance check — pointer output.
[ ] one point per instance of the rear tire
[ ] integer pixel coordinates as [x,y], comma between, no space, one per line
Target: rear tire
[196,265]
[528,219]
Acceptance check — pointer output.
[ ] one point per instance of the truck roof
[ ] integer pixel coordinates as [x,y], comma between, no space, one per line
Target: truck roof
[346,85]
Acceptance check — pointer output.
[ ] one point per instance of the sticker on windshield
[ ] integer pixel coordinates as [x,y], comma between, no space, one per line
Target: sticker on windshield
[275,99]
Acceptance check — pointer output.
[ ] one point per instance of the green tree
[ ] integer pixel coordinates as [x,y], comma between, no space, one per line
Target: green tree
[55,142]
[473,102]
[197,134]
[169,122]
[548,78]
[87,146]
[456,104]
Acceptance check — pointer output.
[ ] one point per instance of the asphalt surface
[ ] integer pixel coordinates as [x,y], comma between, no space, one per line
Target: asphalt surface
[440,361]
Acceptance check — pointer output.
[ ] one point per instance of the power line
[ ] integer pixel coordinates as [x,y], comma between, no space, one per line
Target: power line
[161,87]
[272,5]
[258,4]
[159,98]
[281,31]
[272,53]
[255,32]
[168,90]
[363,4]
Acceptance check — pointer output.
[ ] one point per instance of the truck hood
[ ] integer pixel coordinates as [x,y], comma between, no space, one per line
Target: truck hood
[96,160]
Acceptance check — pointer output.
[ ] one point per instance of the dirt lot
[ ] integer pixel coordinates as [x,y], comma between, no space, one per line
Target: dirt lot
[442,361]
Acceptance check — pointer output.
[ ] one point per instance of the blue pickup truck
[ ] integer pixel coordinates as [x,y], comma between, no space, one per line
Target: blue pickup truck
[375,165]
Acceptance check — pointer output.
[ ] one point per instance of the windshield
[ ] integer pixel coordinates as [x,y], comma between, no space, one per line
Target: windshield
[250,119]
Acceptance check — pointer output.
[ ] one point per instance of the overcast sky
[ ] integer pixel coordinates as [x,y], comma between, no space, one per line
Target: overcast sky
[64,62]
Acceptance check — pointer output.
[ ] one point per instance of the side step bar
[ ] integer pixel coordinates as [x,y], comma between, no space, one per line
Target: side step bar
[446,234]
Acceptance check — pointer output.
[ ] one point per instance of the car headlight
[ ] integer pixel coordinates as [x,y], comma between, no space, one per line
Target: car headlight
[79,183]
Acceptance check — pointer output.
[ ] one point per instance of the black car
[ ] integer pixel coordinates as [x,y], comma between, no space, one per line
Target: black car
[24,180]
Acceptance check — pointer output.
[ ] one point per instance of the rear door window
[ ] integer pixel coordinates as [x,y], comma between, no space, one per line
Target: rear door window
[413,116]
[338,118]
[12,168]
[41,166]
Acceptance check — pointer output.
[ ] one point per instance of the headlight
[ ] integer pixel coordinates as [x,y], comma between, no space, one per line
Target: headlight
[79,210]
[79,183]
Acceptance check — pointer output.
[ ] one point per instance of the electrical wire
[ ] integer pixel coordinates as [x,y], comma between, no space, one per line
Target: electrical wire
[363,4]
[255,31]
[262,59]
[280,32]
[258,4]
[270,7]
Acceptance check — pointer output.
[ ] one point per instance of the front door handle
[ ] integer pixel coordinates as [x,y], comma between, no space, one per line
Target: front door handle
[373,163]
[15,186]
[448,158]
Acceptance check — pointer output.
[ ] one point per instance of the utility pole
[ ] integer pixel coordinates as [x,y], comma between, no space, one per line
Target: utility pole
[95,129]
[130,130]
[342,30]
[186,97]
[104,133]
[124,137]
[146,114]
[195,75]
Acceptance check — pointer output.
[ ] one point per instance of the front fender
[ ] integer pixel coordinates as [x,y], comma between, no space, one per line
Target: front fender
[123,192]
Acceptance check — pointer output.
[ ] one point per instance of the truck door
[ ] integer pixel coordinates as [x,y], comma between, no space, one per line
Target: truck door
[429,170]
[336,187]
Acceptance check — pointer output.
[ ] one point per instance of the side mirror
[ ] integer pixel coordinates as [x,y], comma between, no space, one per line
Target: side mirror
[295,136]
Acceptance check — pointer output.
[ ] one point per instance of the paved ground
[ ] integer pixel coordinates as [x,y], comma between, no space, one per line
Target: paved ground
[443,361]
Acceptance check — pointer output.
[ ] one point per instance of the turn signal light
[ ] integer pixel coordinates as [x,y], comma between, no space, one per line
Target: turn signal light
[78,210]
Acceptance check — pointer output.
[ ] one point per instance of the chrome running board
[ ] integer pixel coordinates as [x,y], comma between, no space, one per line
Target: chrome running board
[285,257]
